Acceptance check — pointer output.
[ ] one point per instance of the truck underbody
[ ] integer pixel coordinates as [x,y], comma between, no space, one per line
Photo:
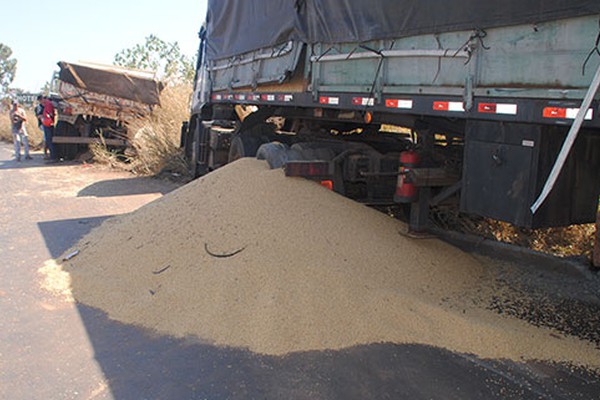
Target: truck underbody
[480,115]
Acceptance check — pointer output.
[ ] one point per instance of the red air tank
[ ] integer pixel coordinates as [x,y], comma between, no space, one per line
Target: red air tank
[406,191]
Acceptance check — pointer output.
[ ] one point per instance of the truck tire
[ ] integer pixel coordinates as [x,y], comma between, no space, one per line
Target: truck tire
[184,138]
[67,151]
[196,137]
[275,153]
[243,146]
[192,149]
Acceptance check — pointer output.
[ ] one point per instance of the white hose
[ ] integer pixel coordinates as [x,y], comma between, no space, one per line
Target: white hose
[568,143]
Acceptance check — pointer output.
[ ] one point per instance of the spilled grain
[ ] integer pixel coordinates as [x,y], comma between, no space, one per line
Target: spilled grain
[245,257]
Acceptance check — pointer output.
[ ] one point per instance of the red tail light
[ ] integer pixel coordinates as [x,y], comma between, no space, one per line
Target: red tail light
[327,184]
[308,169]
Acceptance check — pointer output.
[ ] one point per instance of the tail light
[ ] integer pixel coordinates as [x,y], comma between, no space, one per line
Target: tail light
[327,183]
[308,169]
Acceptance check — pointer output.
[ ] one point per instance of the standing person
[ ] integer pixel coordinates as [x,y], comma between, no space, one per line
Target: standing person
[17,119]
[48,116]
[39,111]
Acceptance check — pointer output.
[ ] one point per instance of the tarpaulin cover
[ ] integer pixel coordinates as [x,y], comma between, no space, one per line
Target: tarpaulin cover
[112,81]
[238,26]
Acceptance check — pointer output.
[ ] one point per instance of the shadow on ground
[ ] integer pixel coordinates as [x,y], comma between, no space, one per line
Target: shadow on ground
[139,364]
[37,162]
[126,187]
[61,235]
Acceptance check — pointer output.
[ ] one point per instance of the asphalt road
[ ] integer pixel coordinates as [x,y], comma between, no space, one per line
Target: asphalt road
[53,349]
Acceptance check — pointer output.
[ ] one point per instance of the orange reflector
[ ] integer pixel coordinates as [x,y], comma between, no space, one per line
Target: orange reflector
[555,112]
[363,101]
[441,105]
[455,106]
[498,108]
[329,100]
[568,113]
[399,103]
[327,184]
[487,108]
[368,117]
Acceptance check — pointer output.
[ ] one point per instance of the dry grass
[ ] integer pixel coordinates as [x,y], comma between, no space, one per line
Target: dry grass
[155,139]
[36,136]
[574,240]
[569,241]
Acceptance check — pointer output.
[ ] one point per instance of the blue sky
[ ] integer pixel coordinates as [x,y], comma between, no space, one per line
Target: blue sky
[41,33]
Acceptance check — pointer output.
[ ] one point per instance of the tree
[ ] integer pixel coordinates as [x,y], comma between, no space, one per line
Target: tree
[8,68]
[157,55]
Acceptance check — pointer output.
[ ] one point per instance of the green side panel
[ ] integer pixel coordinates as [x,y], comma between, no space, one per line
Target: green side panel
[544,60]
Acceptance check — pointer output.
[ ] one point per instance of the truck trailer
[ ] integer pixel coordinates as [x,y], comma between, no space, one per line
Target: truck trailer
[487,107]
[95,103]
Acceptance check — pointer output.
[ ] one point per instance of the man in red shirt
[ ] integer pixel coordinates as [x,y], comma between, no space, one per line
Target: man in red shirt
[47,117]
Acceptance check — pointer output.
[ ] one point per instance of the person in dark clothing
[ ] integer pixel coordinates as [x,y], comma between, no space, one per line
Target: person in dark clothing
[39,111]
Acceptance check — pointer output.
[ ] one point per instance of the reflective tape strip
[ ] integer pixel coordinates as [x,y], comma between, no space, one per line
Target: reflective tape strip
[363,101]
[454,106]
[268,97]
[566,113]
[254,97]
[572,113]
[497,108]
[285,97]
[219,97]
[329,100]
[240,97]
[399,103]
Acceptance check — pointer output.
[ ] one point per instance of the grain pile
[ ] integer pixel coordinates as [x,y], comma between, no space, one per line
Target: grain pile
[245,257]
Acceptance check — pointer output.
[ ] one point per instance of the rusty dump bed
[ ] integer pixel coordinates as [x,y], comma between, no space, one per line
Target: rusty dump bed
[106,91]
[135,85]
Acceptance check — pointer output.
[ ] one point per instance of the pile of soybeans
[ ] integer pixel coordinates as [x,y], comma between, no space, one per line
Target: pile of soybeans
[246,257]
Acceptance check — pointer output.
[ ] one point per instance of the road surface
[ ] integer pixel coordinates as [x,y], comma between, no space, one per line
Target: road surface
[53,349]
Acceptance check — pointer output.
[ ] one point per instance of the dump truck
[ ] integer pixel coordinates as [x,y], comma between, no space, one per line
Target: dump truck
[95,103]
[488,108]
